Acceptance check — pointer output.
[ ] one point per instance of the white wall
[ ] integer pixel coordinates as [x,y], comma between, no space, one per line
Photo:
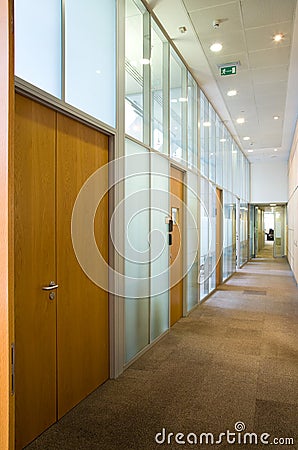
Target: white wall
[269,182]
[292,250]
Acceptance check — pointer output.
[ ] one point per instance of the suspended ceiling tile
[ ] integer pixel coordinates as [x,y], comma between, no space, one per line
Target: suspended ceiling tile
[257,13]
[233,42]
[270,89]
[262,38]
[229,14]
[270,58]
[193,5]
[267,75]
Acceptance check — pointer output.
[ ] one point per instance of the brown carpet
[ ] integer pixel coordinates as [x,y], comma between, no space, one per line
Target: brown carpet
[235,358]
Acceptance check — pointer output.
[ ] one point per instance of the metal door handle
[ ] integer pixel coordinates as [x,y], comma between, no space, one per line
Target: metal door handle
[52,285]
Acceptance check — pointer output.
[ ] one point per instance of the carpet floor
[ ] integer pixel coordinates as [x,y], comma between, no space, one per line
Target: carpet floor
[231,364]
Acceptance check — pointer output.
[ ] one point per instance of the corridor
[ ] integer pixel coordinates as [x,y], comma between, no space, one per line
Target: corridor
[235,358]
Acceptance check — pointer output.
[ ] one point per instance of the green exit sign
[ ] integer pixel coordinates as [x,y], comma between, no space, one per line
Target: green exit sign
[228,70]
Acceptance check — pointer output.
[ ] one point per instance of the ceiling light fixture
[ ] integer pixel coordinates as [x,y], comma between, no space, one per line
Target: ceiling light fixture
[275,117]
[250,151]
[278,37]
[216,47]
[240,120]
[232,92]
[272,204]
[206,124]
[275,149]
[182,29]
[246,138]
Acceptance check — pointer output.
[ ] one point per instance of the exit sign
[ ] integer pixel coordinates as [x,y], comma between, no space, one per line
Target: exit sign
[228,70]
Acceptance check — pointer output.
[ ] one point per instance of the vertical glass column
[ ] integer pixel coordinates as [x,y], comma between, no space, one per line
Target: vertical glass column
[178,100]
[192,123]
[137,248]
[204,238]
[135,62]
[159,89]
[192,240]
[159,248]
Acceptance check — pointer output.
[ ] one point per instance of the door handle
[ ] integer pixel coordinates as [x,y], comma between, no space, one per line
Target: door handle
[52,285]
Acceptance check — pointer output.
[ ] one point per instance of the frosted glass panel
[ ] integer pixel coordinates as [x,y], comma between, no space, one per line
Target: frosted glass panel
[90,49]
[159,310]
[136,326]
[192,230]
[137,249]
[38,43]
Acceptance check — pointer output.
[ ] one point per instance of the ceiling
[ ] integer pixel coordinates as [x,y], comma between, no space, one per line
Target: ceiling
[267,75]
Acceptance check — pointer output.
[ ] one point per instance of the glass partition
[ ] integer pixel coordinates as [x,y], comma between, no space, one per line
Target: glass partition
[38,43]
[159,89]
[178,102]
[136,60]
[90,58]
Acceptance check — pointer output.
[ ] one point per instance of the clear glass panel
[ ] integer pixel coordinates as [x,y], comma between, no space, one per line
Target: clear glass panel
[212,144]
[236,174]
[220,140]
[90,58]
[159,82]
[178,102]
[137,249]
[38,43]
[159,249]
[205,125]
[135,63]
[192,123]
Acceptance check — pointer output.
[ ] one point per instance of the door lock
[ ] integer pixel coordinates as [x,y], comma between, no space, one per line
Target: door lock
[52,295]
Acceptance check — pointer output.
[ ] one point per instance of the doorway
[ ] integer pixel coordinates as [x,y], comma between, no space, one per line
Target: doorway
[61,317]
[176,247]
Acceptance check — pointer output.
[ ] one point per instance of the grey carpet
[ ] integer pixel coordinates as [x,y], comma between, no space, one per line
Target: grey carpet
[235,358]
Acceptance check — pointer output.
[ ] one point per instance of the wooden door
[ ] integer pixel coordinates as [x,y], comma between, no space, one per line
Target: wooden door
[61,344]
[82,317]
[219,240]
[176,249]
[35,267]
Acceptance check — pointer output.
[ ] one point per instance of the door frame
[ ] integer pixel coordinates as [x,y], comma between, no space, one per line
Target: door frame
[183,236]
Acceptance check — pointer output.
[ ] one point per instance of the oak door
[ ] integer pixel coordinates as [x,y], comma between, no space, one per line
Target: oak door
[61,339]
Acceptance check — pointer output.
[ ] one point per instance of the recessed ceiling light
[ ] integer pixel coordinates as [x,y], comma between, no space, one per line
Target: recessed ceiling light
[249,151]
[275,117]
[246,138]
[275,149]
[222,140]
[278,37]
[216,47]
[232,92]
[206,124]
[240,120]
[272,204]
